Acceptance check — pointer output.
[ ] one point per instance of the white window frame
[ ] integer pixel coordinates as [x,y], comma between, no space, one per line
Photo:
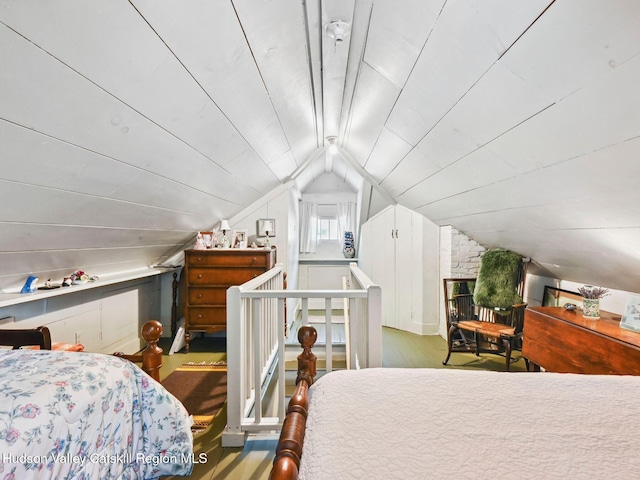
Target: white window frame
[332,227]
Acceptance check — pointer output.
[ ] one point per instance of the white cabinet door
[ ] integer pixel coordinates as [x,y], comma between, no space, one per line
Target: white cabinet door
[393,253]
[383,264]
[377,259]
[407,266]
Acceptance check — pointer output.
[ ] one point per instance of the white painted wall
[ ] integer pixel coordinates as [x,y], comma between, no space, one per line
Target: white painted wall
[322,276]
[275,205]
[282,204]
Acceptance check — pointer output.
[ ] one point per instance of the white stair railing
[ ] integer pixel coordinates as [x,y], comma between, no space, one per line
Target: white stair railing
[365,321]
[256,344]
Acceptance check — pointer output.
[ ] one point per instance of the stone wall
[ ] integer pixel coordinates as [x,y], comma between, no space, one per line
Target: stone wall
[459,258]
[465,255]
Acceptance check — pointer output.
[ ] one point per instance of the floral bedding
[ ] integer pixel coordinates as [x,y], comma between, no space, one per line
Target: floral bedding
[78,415]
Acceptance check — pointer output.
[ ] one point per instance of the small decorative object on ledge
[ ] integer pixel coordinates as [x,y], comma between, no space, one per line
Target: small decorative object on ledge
[631,318]
[205,240]
[591,300]
[349,250]
[199,242]
[224,226]
[239,239]
[266,229]
[30,285]
[79,277]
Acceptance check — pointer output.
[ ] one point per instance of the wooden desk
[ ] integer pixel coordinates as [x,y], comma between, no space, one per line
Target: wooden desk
[563,341]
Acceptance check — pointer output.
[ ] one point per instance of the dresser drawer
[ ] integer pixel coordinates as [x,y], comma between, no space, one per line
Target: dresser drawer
[208,274]
[204,316]
[222,275]
[238,259]
[207,296]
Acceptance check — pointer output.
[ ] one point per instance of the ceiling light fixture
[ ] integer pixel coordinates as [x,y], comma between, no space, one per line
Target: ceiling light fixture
[333,148]
[338,30]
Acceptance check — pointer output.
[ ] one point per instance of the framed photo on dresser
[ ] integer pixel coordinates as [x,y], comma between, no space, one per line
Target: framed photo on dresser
[631,317]
[239,239]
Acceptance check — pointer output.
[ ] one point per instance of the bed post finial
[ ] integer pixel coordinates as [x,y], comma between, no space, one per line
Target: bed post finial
[152,355]
[307,337]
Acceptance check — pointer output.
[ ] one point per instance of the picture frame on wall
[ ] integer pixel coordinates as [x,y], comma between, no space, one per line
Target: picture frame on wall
[557,297]
[267,227]
[239,239]
[631,317]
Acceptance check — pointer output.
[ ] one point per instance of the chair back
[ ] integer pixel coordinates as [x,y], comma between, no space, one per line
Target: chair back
[458,299]
[16,338]
[464,307]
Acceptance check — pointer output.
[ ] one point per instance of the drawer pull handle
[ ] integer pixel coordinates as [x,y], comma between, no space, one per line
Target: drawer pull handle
[199,259]
[199,295]
[199,275]
[254,260]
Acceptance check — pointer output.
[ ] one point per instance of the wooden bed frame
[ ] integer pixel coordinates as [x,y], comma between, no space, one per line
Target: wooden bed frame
[151,356]
[289,449]
[581,396]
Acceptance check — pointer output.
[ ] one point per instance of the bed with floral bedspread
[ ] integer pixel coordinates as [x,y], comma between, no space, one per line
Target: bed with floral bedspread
[87,416]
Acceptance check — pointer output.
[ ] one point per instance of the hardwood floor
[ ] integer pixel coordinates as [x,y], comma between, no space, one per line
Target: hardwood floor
[407,350]
[253,462]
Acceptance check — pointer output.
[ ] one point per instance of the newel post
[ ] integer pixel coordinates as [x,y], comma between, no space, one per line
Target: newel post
[233,436]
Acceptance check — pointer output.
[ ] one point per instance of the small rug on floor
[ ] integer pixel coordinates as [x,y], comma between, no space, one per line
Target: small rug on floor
[202,389]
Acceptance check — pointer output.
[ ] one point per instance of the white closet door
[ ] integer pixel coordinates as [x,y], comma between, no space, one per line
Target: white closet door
[380,246]
[407,266]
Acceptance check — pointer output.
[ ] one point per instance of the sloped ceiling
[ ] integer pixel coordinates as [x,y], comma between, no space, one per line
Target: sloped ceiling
[127,125]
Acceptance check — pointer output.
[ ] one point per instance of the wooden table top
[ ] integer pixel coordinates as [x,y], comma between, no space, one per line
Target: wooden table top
[608,324]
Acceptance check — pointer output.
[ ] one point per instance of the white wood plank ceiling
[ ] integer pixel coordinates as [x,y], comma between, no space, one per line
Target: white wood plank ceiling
[125,126]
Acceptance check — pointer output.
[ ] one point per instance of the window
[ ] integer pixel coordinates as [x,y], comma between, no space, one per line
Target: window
[327,228]
[320,229]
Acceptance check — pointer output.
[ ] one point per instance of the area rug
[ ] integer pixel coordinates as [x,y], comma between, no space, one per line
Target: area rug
[202,389]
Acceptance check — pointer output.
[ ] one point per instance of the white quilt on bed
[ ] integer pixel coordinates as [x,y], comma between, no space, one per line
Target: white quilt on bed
[87,416]
[446,423]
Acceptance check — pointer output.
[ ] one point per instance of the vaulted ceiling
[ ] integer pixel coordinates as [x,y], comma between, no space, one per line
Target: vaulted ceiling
[127,125]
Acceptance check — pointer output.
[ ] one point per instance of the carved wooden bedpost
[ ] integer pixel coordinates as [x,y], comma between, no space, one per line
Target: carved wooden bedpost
[151,357]
[307,337]
[289,449]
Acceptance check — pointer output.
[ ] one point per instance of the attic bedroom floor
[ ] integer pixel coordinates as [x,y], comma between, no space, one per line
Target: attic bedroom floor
[253,462]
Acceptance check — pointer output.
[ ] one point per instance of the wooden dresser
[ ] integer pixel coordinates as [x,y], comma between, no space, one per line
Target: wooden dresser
[209,273]
[564,341]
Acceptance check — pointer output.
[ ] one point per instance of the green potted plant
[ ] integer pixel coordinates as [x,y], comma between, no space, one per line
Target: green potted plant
[591,300]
